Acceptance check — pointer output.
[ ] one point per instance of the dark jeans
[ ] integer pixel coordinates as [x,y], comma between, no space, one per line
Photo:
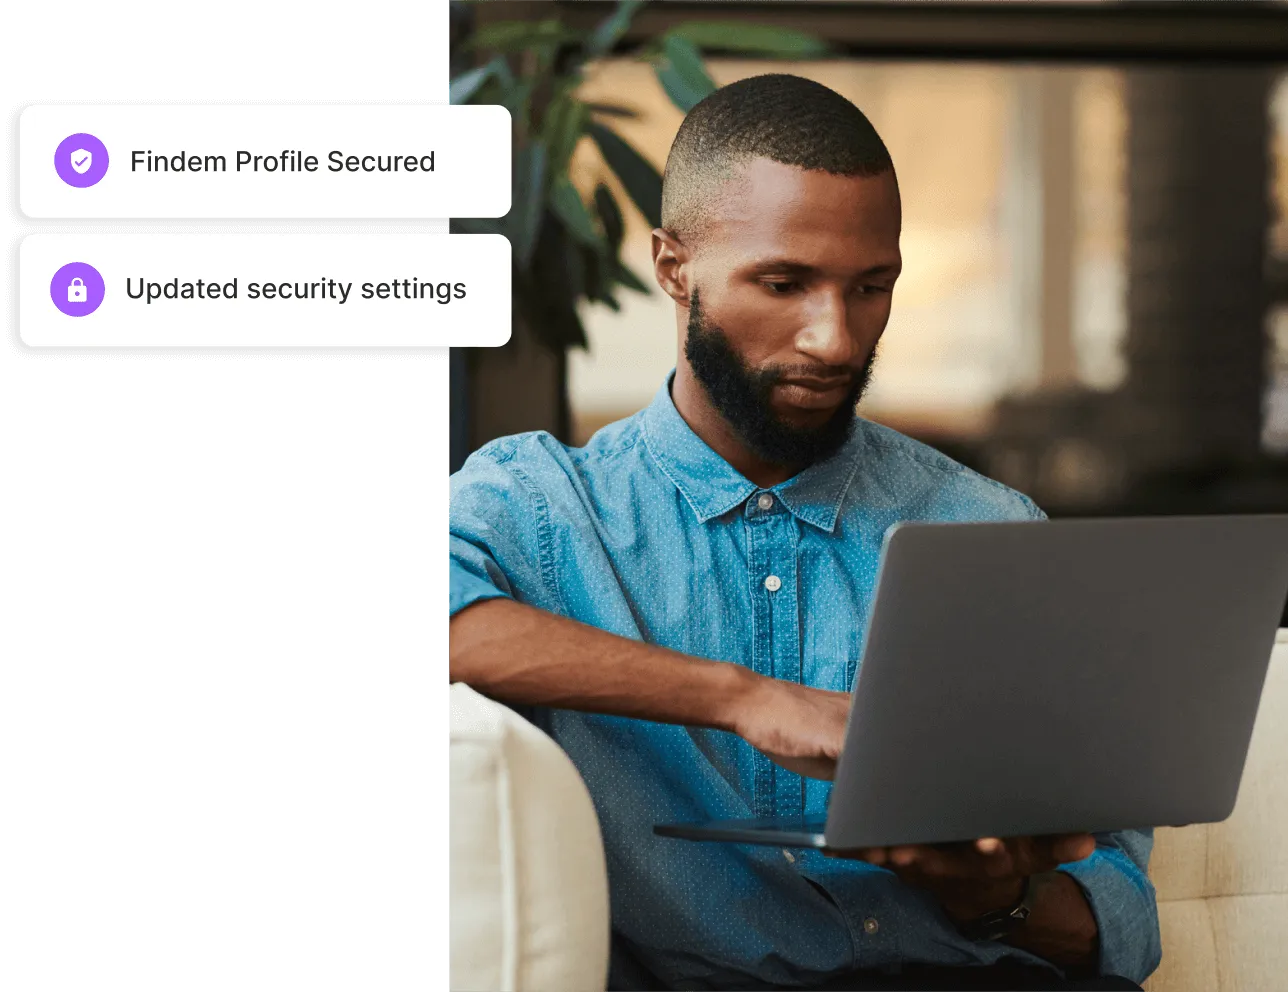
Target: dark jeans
[1009,977]
[995,978]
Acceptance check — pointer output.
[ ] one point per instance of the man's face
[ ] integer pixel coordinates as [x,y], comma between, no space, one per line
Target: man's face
[790,292]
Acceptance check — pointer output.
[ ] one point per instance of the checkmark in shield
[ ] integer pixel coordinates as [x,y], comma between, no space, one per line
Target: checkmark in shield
[82,160]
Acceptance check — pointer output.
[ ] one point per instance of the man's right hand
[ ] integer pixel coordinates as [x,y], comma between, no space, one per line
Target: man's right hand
[800,728]
[524,655]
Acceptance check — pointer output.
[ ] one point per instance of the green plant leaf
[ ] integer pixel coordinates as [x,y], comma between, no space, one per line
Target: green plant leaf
[518,100]
[610,30]
[518,36]
[565,124]
[682,74]
[596,265]
[598,288]
[643,183]
[574,268]
[554,323]
[610,217]
[613,110]
[750,39]
[548,293]
[629,279]
[523,222]
[575,333]
[467,84]
[567,205]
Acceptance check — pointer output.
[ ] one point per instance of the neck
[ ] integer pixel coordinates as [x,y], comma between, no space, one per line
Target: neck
[695,407]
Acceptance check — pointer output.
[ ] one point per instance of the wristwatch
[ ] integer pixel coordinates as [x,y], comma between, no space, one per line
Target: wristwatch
[1000,922]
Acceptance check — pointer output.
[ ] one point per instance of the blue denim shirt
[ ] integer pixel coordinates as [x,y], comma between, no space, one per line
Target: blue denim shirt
[647,533]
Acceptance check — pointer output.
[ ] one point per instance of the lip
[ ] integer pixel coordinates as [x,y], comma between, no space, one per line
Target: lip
[814,394]
[831,382]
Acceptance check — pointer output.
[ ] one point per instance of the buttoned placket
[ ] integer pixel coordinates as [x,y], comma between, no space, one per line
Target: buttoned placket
[772,539]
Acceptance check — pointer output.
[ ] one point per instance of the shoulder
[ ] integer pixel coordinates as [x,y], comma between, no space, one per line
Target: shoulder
[932,484]
[539,461]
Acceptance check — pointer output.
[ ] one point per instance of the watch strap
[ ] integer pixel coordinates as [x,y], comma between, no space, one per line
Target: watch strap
[1001,922]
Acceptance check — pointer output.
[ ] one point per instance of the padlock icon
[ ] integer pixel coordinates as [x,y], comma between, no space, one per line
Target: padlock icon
[76,291]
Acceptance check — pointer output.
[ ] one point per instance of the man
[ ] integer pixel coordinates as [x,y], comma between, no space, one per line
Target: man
[681,603]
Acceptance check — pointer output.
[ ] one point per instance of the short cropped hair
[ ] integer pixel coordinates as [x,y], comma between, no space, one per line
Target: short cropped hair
[778,116]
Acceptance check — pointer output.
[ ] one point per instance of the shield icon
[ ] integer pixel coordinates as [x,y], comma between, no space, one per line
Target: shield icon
[82,160]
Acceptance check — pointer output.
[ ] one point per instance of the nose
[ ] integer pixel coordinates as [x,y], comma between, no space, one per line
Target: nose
[827,337]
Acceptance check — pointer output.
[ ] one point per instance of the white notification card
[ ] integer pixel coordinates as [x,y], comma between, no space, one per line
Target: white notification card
[215,290]
[345,161]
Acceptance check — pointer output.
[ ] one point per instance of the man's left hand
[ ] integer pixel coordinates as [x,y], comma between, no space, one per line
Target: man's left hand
[977,877]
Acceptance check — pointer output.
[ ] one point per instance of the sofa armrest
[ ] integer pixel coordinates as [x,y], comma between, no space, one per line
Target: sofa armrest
[529,890]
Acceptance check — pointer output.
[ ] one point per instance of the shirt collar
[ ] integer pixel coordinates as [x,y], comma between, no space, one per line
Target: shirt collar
[712,487]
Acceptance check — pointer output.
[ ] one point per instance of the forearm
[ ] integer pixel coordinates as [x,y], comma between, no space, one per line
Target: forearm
[1061,928]
[526,656]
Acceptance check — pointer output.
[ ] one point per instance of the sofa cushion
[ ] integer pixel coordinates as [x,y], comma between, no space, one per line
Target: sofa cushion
[529,891]
[1248,853]
[1189,948]
[1223,887]
[1226,944]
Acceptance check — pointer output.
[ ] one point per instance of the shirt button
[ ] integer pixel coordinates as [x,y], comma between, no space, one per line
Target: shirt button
[773,583]
[791,858]
[870,925]
[765,502]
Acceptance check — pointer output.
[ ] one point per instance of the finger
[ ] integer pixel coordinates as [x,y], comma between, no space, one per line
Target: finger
[1072,847]
[931,862]
[941,865]
[872,855]
[1002,859]
[992,857]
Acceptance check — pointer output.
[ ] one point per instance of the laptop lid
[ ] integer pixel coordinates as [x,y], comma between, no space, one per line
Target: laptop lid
[1059,676]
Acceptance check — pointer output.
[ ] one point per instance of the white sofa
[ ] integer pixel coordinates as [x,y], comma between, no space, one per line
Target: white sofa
[529,901]
[529,890]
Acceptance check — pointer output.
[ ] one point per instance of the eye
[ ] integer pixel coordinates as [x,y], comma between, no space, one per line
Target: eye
[781,287]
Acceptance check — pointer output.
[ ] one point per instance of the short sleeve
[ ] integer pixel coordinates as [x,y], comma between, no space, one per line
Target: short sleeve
[496,516]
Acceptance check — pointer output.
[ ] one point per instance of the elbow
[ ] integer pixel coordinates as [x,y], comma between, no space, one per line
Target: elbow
[470,631]
[460,667]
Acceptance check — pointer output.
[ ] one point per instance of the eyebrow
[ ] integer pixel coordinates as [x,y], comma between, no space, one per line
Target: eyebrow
[788,265]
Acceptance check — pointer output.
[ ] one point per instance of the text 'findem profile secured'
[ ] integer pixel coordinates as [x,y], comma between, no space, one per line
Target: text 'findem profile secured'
[345,161]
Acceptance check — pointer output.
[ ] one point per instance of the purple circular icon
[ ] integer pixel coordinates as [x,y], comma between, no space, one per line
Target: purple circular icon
[77,289]
[81,160]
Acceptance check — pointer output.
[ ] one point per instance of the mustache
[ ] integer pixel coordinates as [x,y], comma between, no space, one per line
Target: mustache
[852,377]
[828,372]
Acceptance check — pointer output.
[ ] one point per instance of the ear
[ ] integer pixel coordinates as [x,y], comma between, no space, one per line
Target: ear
[671,266]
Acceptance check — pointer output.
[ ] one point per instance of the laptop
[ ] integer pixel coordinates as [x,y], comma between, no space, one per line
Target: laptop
[1049,677]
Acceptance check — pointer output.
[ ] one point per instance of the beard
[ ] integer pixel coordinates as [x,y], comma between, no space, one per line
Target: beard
[742,396]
